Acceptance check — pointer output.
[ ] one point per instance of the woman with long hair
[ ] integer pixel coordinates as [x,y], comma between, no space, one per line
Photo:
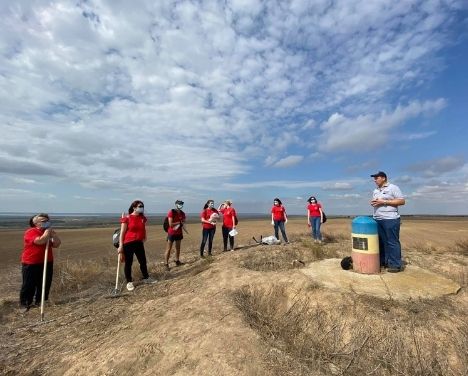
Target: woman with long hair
[208,218]
[131,242]
[229,223]
[279,219]
[315,218]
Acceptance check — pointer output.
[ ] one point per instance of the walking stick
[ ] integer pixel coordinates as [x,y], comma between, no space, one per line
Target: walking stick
[44,280]
[116,289]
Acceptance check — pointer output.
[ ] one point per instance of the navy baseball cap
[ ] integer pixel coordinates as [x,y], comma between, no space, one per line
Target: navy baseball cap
[380,173]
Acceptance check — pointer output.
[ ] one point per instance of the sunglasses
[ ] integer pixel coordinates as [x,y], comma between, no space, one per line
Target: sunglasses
[140,206]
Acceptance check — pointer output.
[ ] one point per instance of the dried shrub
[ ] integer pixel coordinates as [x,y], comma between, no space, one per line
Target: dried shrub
[347,336]
[273,258]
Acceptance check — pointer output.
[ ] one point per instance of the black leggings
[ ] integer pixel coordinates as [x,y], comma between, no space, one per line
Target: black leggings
[207,234]
[32,283]
[226,235]
[134,248]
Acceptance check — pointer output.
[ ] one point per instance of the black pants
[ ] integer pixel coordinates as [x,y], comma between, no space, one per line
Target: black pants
[134,248]
[32,283]
[226,236]
[207,234]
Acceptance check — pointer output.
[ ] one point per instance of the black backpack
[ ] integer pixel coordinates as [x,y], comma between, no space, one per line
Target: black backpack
[116,237]
[166,220]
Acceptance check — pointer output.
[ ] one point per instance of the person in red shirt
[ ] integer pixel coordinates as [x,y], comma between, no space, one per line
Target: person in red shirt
[176,218]
[131,242]
[208,218]
[315,218]
[36,239]
[229,223]
[279,219]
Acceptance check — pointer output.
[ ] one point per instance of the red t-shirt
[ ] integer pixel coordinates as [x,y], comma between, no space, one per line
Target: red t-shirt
[34,253]
[136,229]
[176,217]
[278,212]
[227,216]
[314,209]
[206,214]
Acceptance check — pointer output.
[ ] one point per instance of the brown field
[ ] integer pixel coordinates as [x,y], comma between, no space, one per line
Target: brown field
[248,312]
[94,243]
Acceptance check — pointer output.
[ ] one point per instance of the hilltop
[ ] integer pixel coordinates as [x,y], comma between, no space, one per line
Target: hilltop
[248,312]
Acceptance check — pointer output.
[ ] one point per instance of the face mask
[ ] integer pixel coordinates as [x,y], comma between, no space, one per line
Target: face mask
[45,225]
[139,210]
[276,203]
[178,206]
[211,205]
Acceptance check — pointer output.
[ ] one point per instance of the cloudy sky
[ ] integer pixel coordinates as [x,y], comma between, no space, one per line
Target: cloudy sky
[103,102]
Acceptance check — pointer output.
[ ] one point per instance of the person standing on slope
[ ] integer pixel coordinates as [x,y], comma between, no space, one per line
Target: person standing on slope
[131,242]
[176,218]
[229,223]
[315,218]
[279,219]
[208,218]
[36,239]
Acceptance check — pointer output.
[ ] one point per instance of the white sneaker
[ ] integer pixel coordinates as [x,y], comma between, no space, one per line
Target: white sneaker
[149,280]
[130,286]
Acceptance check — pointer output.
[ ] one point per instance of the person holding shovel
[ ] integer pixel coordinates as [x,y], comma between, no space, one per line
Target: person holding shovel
[131,242]
[37,238]
[176,218]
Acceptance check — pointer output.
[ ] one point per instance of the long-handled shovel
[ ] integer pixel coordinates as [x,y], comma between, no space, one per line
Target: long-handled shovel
[44,273]
[116,289]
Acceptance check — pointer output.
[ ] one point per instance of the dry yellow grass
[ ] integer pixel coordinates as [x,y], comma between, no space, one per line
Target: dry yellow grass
[248,312]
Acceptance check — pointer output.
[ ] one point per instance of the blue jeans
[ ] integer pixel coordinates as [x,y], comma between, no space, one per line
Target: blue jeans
[315,225]
[389,242]
[280,225]
[207,234]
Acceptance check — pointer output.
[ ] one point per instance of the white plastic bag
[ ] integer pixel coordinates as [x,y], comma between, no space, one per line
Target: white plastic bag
[233,232]
[270,240]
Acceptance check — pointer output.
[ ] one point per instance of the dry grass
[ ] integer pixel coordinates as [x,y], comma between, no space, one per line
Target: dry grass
[449,260]
[350,335]
[283,257]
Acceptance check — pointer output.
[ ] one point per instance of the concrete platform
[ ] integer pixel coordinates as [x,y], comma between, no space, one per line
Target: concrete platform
[412,283]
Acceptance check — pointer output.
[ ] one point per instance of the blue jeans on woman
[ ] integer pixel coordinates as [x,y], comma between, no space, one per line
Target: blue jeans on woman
[207,234]
[280,225]
[315,225]
[389,242]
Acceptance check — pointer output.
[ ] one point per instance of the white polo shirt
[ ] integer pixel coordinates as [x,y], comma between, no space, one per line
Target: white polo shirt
[387,192]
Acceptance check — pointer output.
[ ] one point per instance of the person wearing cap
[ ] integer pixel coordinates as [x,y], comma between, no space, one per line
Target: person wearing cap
[36,239]
[386,199]
[229,223]
[176,218]
[315,218]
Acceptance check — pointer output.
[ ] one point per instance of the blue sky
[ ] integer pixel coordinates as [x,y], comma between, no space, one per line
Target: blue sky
[103,102]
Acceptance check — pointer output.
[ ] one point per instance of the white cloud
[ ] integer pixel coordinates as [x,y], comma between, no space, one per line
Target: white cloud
[439,166]
[367,132]
[290,160]
[117,95]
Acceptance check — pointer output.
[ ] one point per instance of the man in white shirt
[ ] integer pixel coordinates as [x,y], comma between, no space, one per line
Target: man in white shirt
[386,199]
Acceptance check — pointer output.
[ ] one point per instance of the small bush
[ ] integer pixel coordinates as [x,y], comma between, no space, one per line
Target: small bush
[356,336]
